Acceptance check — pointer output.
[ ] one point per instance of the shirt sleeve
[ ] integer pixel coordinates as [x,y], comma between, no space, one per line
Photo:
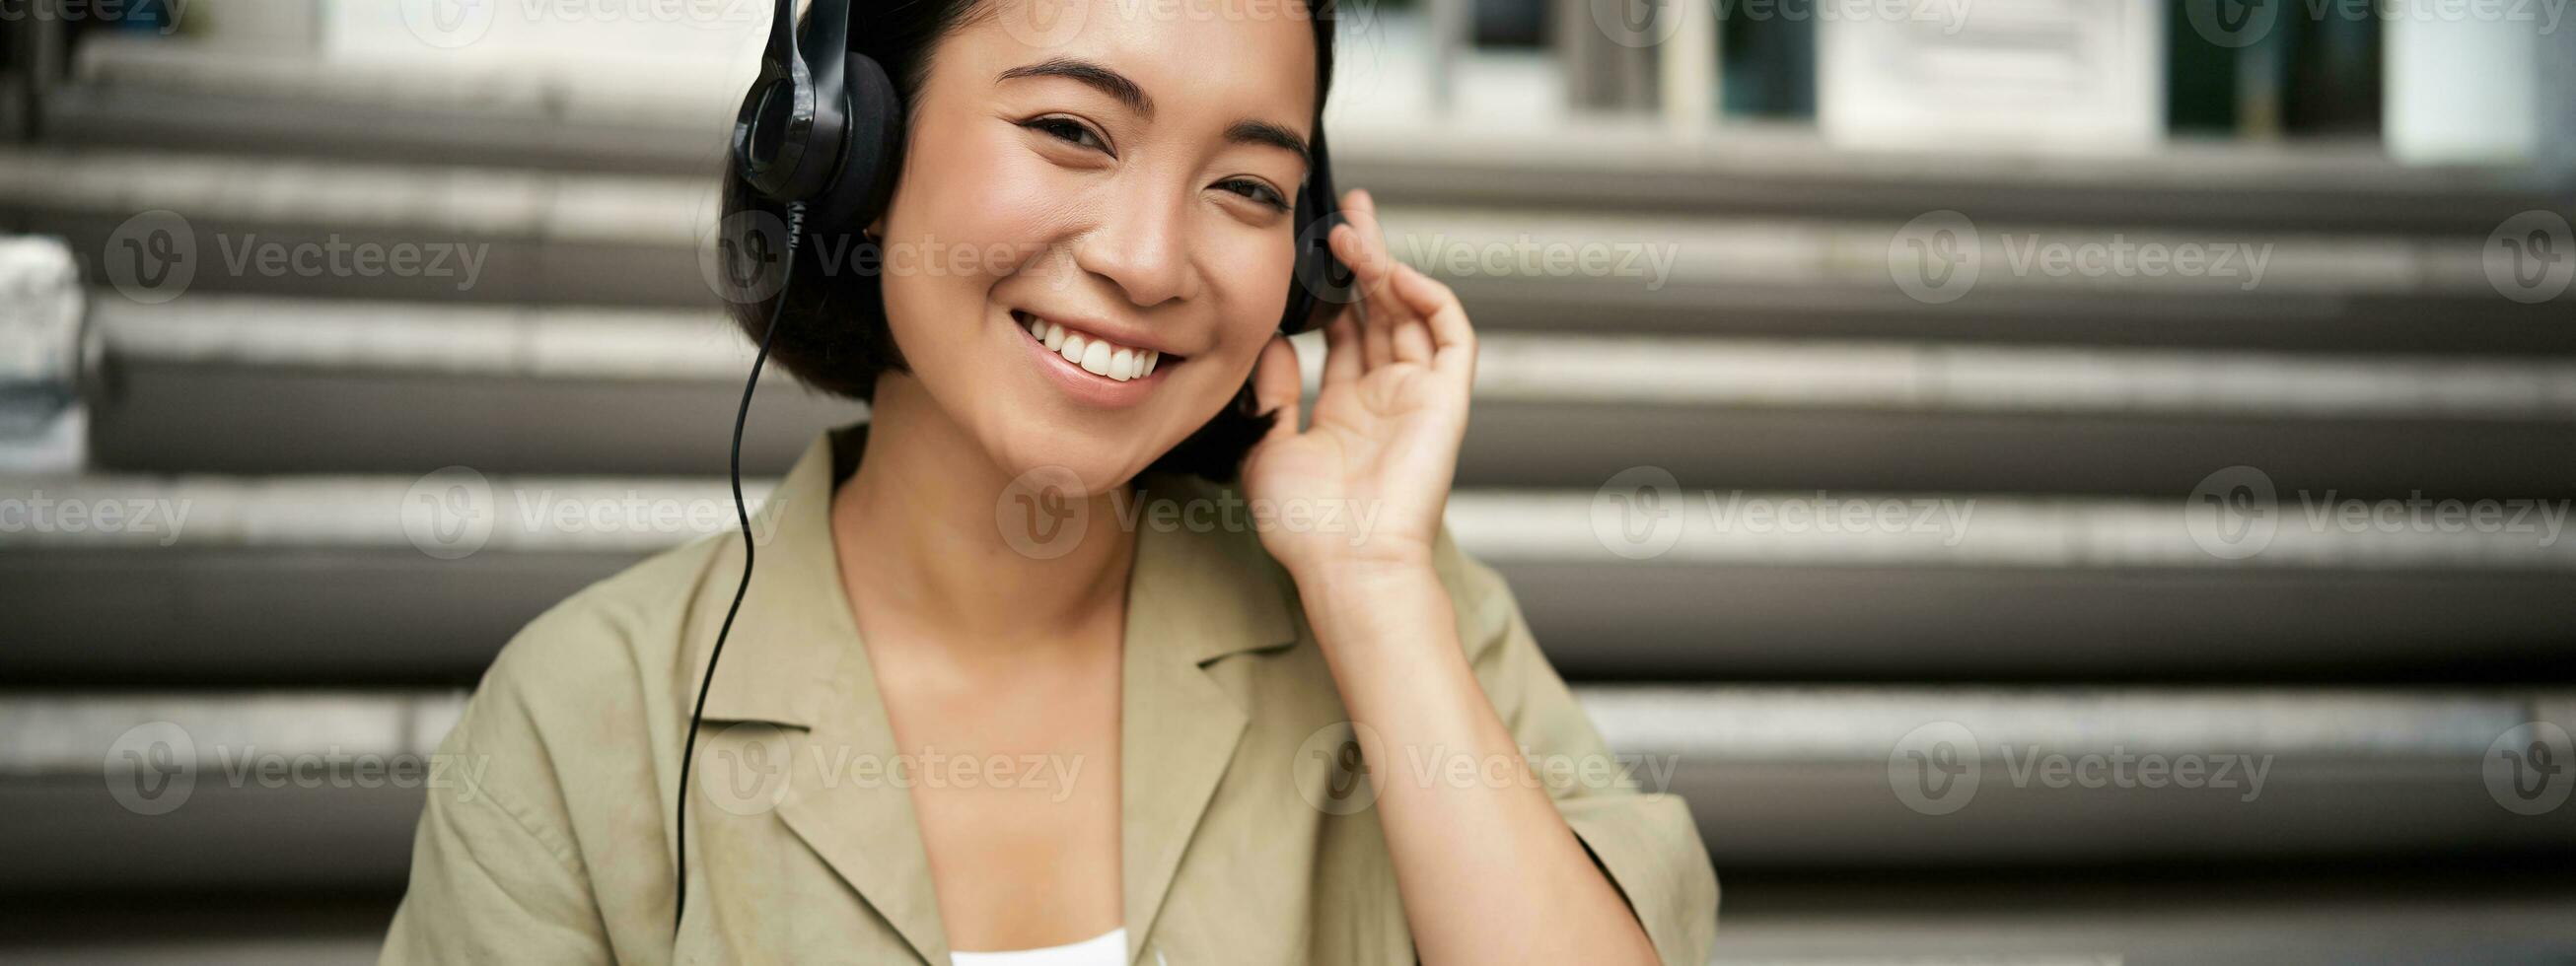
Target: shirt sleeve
[1646,842]
[491,881]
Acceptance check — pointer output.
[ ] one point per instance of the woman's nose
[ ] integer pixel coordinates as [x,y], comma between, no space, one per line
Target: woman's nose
[1142,245]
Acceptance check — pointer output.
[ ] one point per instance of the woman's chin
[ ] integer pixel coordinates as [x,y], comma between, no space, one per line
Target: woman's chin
[1075,466]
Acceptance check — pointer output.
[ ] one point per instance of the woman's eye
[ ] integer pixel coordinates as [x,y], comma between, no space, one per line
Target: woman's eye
[1256,191]
[1064,129]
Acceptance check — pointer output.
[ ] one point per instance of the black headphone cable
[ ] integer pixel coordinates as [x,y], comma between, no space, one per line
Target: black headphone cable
[689,749]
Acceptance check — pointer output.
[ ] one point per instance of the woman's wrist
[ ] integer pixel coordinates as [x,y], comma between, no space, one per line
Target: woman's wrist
[1363,601]
[1340,574]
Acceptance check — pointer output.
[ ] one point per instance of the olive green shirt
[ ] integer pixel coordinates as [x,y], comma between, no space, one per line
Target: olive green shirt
[1244,838]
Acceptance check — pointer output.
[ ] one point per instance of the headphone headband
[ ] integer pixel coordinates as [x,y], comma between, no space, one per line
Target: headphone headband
[788,133]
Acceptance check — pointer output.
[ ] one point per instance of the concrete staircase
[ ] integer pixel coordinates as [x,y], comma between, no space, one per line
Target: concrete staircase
[2033,575]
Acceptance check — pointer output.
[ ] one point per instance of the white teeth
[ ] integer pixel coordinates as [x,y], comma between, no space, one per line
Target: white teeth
[1097,356]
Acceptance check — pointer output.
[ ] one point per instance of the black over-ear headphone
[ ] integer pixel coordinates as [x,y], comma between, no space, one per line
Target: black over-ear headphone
[821,133]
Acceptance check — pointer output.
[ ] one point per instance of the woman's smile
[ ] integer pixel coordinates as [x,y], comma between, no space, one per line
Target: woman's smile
[1094,368]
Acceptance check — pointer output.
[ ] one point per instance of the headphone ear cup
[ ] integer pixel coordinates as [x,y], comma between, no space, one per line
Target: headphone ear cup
[871,152]
[1322,282]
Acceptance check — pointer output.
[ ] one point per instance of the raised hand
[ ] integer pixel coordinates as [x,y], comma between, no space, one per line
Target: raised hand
[1399,363]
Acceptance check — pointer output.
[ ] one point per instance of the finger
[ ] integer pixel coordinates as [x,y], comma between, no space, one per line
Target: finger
[1362,214]
[1275,385]
[1341,349]
[1359,210]
[1373,311]
[1436,304]
[1412,340]
[1445,320]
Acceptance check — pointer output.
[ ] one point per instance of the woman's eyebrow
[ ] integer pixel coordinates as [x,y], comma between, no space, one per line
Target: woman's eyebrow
[1264,132]
[1108,81]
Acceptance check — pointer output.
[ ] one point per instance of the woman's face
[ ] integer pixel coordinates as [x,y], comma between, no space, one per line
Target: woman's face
[1123,172]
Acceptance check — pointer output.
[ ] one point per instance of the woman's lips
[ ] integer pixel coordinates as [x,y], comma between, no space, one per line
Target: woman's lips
[1082,384]
[1095,355]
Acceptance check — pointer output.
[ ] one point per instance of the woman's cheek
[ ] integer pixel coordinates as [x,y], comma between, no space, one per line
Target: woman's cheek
[1008,194]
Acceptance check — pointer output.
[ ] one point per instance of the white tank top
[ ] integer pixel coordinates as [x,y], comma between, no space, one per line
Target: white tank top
[1106,949]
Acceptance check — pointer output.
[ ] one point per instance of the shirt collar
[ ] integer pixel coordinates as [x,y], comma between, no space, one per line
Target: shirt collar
[1205,594]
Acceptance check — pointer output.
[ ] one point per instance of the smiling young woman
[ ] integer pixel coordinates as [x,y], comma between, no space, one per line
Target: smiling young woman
[1018,679]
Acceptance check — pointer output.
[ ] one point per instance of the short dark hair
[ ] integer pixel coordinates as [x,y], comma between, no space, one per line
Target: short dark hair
[834,336]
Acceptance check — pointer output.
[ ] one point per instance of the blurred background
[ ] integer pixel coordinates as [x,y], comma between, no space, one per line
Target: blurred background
[2052,481]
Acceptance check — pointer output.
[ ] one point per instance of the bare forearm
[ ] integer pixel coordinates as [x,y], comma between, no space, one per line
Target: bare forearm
[1490,872]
